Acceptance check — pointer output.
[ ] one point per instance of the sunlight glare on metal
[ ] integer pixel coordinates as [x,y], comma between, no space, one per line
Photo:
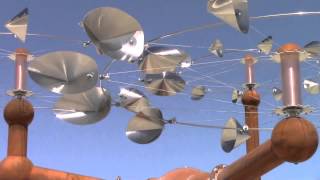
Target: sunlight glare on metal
[216,48]
[84,108]
[18,25]
[277,93]
[64,72]
[311,86]
[158,59]
[265,46]
[133,100]
[232,12]
[114,33]
[313,48]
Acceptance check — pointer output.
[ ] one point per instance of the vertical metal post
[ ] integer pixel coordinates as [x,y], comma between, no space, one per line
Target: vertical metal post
[21,67]
[249,62]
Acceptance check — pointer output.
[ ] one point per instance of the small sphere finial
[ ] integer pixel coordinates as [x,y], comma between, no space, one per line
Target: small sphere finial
[294,139]
[19,111]
[251,98]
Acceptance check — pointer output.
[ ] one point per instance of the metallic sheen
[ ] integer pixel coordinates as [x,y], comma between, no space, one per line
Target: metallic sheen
[64,72]
[84,108]
[114,33]
[198,92]
[18,25]
[133,100]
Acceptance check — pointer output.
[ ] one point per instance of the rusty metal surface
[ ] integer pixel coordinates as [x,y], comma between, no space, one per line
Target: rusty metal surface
[294,139]
[17,140]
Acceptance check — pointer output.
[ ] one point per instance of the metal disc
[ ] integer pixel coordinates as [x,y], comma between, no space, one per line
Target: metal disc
[216,48]
[277,93]
[232,135]
[198,92]
[265,45]
[146,126]
[133,100]
[18,25]
[313,48]
[236,95]
[64,72]
[158,59]
[114,33]
[232,12]
[311,86]
[164,84]
[84,108]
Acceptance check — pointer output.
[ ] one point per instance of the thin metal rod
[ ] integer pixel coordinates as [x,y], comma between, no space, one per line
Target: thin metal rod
[21,66]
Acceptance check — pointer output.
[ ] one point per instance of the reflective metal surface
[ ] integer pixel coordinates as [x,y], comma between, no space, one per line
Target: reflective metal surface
[64,72]
[232,12]
[146,126]
[236,95]
[133,100]
[277,93]
[18,25]
[158,59]
[198,92]
[313,48]
[216,48]
[311,86]
[114,33]
[164,84]
[233,135]
[84,108]
[265,46]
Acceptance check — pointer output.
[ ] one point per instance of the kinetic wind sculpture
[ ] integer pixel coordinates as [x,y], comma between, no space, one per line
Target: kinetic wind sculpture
[75,75]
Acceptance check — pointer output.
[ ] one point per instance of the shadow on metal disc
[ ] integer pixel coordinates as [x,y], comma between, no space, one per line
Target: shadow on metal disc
[277,93]
[198,92]
[84,108]
[311,86]
[233,135]
[133,100]
[236,95]
[232,12]
[146,126]
[114,33]
[64,72]
[265,46]
[164,84]
[313,48]
[18,25]
[158,59]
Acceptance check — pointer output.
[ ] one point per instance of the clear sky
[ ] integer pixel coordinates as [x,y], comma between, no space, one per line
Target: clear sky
[102,149]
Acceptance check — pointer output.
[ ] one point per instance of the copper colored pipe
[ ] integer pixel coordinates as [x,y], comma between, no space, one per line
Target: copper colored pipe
[249,62]
[17,140]
[290,74]
[253,165]
[39,173]
[21,64]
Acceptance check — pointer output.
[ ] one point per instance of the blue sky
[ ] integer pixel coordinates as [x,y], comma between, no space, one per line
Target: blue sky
[102,149]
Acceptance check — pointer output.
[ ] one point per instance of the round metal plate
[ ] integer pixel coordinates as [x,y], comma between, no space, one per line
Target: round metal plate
[313,48]
[198,92]
[158,59]
[114,33]
[164,84]
[133,100]
[265,46]
[146,126]
[232,12]
[64,72]
[84,108]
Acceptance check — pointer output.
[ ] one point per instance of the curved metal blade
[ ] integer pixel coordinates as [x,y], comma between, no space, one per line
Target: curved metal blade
[232,136]
[146,126]
[115,33]
[64,72]
[158,59]
[216,48]
[232,12]
[164,84]
[198,92]
[84,108]
[313,48]
[133,100]
[265,45]
[311,86]
[18,25]
[277,93]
